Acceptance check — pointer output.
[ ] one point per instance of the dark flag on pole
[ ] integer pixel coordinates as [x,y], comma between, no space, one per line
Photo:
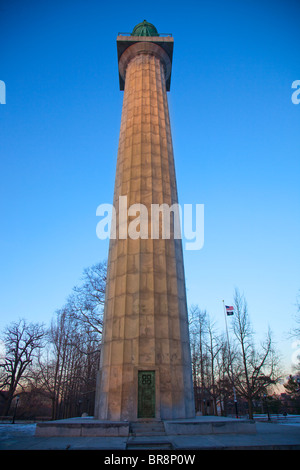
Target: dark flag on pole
[229,310]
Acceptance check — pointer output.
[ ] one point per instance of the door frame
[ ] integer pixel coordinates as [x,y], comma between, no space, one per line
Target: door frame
[141,387]
[157,390]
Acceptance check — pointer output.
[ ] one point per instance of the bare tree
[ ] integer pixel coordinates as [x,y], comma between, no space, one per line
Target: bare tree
[214,347]
[86,303]
[22,342]
[67,370]
[295,334]
[198,332]
[254,370]
[207,349]
[224,384]
[297,329]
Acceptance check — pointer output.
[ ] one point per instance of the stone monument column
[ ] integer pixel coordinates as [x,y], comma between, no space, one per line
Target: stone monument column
[145,366]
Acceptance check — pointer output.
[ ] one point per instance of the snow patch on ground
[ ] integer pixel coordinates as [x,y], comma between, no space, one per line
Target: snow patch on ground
[16,430]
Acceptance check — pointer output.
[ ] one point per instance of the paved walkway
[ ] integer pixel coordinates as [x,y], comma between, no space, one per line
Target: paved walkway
[269,436]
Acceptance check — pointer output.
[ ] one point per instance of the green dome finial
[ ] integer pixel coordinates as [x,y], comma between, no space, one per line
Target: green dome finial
[144,29]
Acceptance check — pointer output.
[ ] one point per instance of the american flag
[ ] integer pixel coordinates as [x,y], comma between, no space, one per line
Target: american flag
[229,310]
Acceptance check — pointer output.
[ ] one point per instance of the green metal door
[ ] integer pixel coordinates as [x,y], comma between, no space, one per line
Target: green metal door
[146,394]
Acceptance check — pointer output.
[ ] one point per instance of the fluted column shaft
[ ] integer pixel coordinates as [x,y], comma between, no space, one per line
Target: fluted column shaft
[145,318]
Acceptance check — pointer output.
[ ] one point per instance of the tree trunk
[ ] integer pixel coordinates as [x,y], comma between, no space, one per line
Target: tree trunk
[7,405]
[250,407]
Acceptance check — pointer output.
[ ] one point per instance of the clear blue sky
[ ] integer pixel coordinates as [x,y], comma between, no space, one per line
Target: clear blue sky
[236,144]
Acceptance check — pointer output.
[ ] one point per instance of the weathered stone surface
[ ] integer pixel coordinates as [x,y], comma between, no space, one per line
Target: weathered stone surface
[79,427]
[145,318]
[89,427]
[210,425]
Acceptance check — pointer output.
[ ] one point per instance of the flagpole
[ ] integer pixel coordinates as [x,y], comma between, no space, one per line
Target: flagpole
[226,323]
[233,387]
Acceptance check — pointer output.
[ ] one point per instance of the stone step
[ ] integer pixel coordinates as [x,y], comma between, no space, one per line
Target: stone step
[154,445]
[147,428]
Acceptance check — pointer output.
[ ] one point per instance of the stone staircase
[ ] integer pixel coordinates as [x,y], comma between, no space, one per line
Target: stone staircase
[147,428]
[148,435]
